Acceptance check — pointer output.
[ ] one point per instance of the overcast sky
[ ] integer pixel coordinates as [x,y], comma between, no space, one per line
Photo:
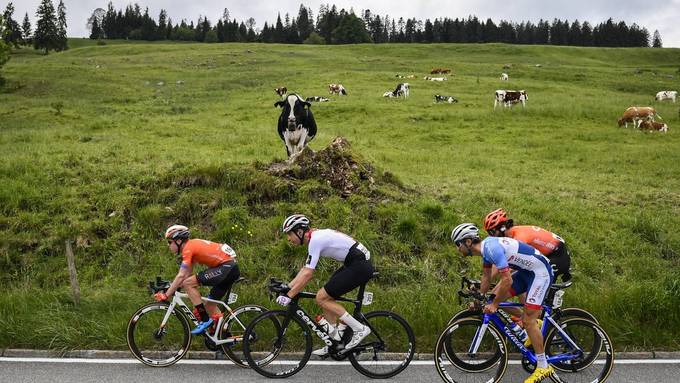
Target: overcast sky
[652,14]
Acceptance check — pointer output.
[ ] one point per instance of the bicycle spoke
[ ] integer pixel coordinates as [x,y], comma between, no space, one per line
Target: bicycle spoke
[233,330]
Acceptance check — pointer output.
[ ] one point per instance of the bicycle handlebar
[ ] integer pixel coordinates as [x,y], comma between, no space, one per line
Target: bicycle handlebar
[277,286]
[159,285]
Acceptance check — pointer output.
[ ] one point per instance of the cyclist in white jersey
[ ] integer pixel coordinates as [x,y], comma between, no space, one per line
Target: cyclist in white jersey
[532,275]
[357,269]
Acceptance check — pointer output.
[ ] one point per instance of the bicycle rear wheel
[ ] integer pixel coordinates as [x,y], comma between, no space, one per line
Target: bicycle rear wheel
[455,360]
[156,346]
[277,344]
[594,361]
[234,328]
[388,349]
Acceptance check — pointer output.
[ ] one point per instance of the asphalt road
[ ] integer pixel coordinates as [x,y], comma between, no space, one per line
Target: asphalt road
[17,370]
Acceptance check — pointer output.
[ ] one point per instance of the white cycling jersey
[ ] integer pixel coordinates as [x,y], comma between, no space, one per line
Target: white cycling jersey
[331,244]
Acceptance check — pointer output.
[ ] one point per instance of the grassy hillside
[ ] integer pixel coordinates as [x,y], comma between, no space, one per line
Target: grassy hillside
[107,145]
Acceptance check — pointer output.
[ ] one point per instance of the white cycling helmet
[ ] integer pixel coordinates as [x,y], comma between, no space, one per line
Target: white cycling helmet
[464,231]
[176,232]
[295,221]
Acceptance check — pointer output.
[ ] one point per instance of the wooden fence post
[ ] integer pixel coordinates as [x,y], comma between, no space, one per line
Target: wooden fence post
[75,288]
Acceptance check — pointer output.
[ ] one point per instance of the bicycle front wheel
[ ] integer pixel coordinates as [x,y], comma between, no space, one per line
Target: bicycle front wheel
[591,360]
[388,349]
[234,328]
[154,345]
[277,344]
[468,352]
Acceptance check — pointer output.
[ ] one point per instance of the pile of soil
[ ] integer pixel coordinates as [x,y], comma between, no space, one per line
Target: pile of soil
[336,165]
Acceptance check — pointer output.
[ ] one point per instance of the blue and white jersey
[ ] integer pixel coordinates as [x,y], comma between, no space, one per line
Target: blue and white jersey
[507,253]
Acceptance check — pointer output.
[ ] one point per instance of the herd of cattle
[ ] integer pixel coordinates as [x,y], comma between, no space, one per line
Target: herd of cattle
[297,127]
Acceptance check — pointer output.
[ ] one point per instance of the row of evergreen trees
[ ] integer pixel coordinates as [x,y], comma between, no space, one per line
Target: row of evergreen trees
[341,27]
[50,31]
[4,49]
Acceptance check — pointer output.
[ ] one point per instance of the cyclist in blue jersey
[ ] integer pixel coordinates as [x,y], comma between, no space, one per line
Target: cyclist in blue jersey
[533,275]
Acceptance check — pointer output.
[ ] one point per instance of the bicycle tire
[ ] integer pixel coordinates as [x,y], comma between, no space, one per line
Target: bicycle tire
[235,326]
[382,341]
[162,356]
[494,344]
[599,344]
[268,337]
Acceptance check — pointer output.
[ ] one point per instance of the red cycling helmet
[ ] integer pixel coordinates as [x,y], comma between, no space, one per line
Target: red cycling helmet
[495,218]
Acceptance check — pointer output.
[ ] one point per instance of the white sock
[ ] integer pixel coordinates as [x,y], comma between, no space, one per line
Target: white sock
[541,361]
[351,322]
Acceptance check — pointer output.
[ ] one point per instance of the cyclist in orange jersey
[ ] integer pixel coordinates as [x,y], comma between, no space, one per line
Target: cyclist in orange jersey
[222,272]
[497,224]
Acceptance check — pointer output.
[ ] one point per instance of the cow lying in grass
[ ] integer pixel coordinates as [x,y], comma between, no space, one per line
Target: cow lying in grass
[401,90]
[434,78]
[666,95]
[439,98]
[636,114]
[653,125]
[317,99]
[296,125]
[337,89]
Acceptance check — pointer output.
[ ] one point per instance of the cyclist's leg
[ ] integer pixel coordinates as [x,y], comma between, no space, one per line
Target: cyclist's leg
[538,289]
[220,278]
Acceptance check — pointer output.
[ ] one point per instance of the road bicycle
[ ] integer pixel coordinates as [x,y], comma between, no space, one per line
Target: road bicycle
[159,333]
[283,344]
[474,348]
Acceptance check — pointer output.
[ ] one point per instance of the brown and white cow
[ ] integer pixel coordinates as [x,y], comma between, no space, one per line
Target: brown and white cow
[337,89]
[636,114]
[509,97]
[281,91]
[653,125]
[666,95]
[504,77]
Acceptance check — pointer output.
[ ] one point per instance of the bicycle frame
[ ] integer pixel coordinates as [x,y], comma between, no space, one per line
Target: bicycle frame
[501,325]
[178,303]
[295,309]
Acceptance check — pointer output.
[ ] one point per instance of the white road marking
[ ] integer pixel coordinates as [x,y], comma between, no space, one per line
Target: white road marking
[312,362]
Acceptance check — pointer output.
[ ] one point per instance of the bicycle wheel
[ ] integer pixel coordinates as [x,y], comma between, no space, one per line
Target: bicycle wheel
[573,312]
[277,344]
[454,360]
[387,350]
[156,346]
[594,361]
[233,329]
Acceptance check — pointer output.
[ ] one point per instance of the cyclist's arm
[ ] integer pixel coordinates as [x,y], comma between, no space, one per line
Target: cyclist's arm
[300,281]
[184,273]
[486,280]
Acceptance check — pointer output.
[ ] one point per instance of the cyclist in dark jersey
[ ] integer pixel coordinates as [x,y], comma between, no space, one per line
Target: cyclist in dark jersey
[222,272]
[497,224]
[357,269]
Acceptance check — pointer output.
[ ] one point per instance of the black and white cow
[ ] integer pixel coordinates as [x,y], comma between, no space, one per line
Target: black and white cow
[296,124]
[449,99]
[281,91]
[317,99]
[401,90]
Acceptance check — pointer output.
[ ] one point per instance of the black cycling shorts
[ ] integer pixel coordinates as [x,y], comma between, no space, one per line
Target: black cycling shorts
[560,260]
[356,271]
[220,278]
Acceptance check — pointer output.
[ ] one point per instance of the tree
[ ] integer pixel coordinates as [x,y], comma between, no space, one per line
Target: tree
[351,30]
[62,41]
[98,17]
[656,40]
[314,38]
[26,30]
[12,33]
[46,34]
[96,31]
[305,25]
[4,49]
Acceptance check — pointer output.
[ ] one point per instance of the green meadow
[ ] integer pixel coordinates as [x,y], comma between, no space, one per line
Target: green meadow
[106,145]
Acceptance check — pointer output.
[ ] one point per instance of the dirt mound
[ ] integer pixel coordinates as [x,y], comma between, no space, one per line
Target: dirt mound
[336,164]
